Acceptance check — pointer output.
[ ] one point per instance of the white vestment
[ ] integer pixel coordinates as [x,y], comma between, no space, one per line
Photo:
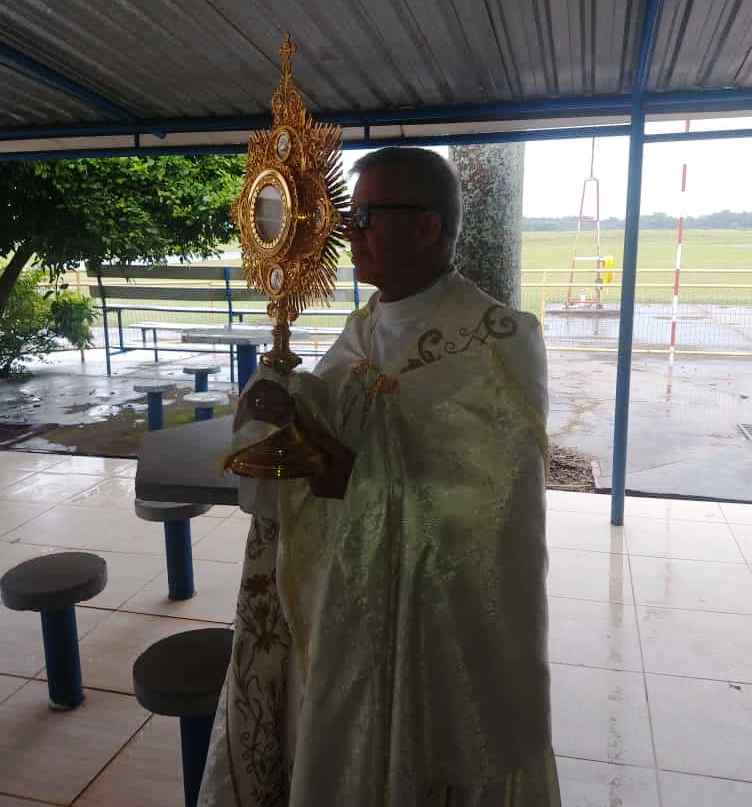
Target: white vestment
[390,647]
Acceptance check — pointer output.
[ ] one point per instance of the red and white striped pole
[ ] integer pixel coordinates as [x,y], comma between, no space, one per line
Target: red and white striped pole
[677,262]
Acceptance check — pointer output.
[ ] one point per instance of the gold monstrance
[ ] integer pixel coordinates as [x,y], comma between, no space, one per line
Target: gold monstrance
[289,214]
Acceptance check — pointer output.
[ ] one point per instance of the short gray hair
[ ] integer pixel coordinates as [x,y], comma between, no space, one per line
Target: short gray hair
[435,176]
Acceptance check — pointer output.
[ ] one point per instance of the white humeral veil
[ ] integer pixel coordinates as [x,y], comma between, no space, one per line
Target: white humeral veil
[390,647]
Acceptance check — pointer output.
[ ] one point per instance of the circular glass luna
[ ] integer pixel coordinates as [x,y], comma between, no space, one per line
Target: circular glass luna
[283,145]
[276,278]
[269,213]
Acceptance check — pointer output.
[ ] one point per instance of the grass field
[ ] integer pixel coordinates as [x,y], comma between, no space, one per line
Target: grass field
[726,254]
[546,256]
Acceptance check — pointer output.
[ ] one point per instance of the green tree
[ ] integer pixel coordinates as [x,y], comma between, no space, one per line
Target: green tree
[118,209]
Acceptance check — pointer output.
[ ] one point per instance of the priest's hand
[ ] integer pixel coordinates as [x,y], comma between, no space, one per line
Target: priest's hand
[332,482]
[269,402]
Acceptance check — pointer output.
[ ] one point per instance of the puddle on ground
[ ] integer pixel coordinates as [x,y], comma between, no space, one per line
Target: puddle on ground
[112,430]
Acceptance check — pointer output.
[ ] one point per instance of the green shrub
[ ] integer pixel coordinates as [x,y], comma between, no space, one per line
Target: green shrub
[26,325]
[72,317]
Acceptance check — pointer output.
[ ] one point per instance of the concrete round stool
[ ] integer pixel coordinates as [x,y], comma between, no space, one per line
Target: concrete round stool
[182,676]
[176,517]
[204,403]
[201,373]
[154,391]
[52,585]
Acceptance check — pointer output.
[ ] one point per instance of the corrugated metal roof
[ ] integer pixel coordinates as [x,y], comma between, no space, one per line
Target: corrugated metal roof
[170,60]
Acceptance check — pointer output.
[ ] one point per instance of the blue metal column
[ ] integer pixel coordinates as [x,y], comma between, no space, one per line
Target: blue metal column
[626,319]
[231,317]
[103,298]
[247,363]
[195,733]
[62,658]
[155,416]
[629,275]
[203,413]
[179,559]
[356,290]
[202,381]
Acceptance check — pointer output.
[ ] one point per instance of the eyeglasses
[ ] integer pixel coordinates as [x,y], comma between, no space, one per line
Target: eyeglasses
[359,218]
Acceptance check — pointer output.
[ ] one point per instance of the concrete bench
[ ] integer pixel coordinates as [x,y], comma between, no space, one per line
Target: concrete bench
[155,409]
[204,403]
[201,373]
[182,676]
[53,584]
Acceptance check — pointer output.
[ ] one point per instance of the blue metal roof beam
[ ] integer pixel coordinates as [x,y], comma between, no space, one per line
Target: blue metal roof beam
[21,63]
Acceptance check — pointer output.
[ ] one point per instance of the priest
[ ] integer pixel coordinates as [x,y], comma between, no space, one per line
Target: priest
[391,633]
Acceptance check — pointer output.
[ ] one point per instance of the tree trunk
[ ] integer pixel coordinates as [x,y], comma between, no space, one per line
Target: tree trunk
[12,271]
[489,248]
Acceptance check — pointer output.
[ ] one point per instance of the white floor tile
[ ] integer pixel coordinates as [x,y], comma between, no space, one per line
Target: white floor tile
[598,784]
[565,500]
[591,531]
[126,469]
[48,487]
[693,584]
[589,575]
[96,466]
[701,727]
[683,509]
[109,651]
[689,540]
[217,586]
[9,476]
[147,772]
[600,715]
[743,535]
[737,513]
[682,790]
[21,644]
[597,634]
[226,542]
[52,756]
[95,529]
[222,511]
[10,684]
[696,643]
[28,460]
[14,514]
[11,801]
[118,493]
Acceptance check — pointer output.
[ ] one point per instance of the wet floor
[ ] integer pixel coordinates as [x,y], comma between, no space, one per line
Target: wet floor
[684,436]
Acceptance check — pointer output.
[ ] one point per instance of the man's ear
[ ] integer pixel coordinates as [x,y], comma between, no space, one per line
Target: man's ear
[431,227]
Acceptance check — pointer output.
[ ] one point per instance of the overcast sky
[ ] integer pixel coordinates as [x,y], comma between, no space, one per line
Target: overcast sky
[719,173]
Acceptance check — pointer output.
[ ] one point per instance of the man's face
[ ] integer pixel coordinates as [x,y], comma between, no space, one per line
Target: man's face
[386,248]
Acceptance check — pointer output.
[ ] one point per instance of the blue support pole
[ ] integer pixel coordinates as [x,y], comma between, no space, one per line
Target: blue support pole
[155,415]
[626,320]
[247,363]
[629,275]
[179,559]
[61,656]
[202,381]
[230,317]
[203,413]
[356,290]
[195,733]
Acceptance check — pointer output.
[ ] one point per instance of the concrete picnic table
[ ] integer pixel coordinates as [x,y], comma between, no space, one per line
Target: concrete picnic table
[184,464]
[247,338]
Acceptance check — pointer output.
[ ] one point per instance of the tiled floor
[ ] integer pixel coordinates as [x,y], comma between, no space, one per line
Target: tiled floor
[650,644]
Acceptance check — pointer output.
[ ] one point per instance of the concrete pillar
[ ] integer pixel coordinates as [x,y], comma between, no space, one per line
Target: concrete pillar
[489,248]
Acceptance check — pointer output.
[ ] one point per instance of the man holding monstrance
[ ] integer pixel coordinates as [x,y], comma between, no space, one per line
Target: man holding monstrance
[390,640]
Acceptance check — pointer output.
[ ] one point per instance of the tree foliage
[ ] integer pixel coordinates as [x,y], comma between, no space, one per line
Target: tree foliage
[720,220]
[119,209]
[26,325]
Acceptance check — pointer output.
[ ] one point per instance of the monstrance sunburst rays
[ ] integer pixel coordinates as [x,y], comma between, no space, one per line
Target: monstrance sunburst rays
[300,160]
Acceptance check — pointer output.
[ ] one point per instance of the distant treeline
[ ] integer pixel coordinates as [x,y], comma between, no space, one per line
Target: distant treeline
[722,220]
